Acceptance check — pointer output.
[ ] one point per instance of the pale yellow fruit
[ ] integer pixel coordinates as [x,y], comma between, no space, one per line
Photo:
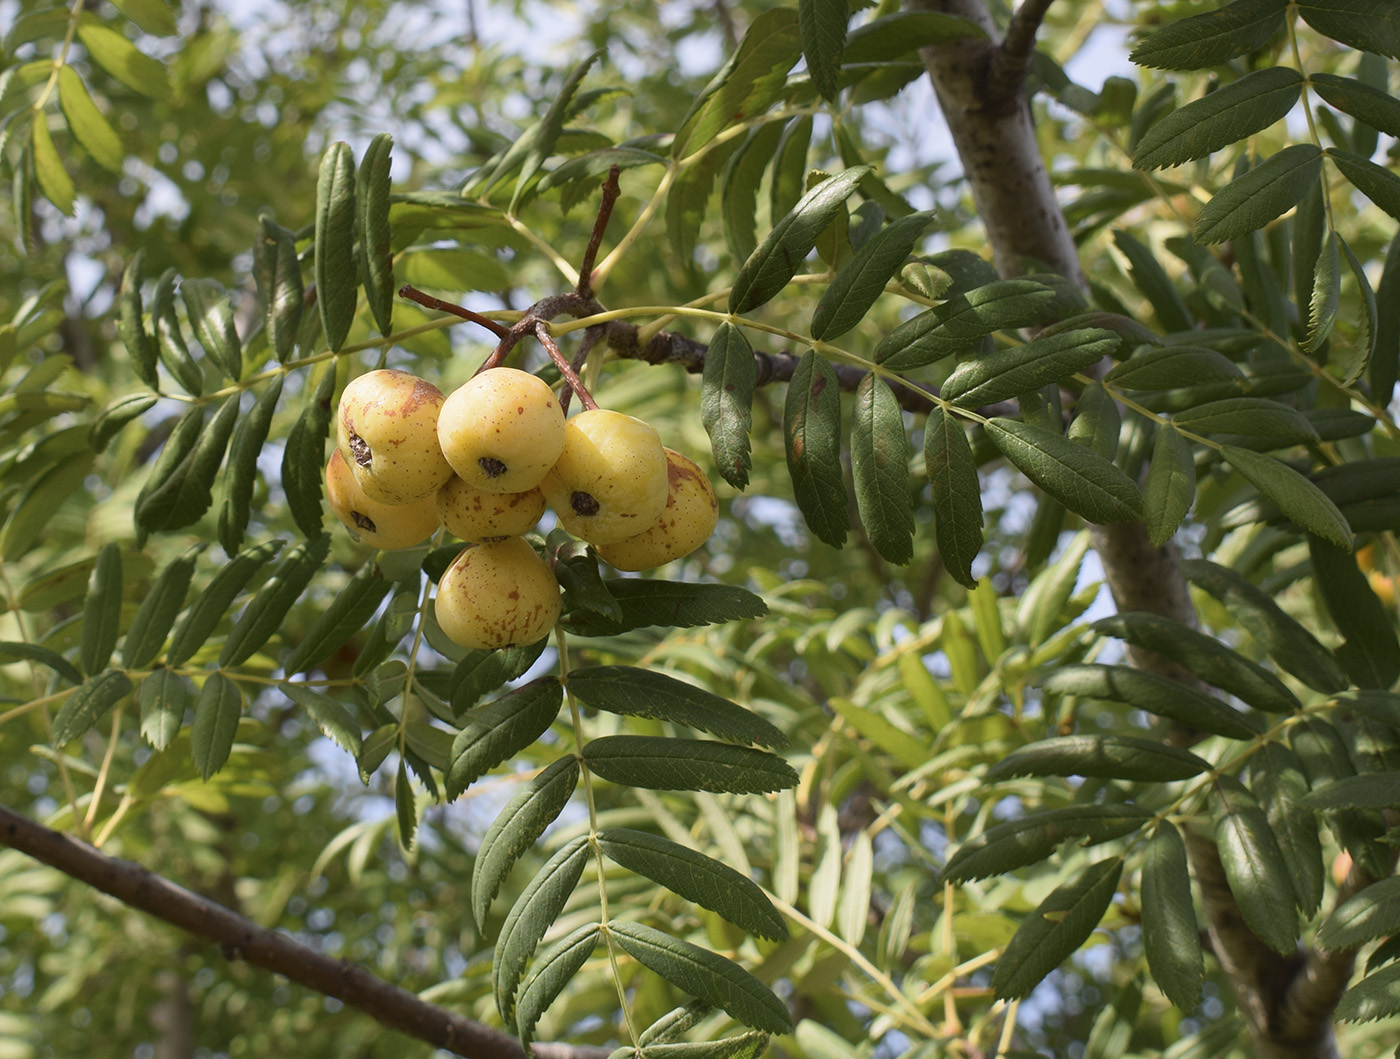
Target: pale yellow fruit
[610,482]
[499,594]
[475,515]
[685,523]
[502,430]
[387,526]
[386,431]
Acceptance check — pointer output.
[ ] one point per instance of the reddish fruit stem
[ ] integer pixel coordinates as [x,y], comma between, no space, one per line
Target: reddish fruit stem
[611,190]
[413,294]
[565,368]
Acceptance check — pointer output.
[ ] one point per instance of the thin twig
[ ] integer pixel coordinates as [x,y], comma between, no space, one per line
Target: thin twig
[562,363]
[611,190]
[241,938]
[413,294]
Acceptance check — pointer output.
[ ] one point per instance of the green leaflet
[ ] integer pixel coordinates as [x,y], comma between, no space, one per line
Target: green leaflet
[1015,370]
[1371,791]
[1377,183]
[37,504]
[1385,361]
[1264,422]
[372,231]
[696,877]
[211,317]
[675,604]
[1170,488]
[635,692]
[215,723]
[1152,280]
[1097,421]
[209,606]
[675,764]
[862,279]
[183,497]
[88,704]
[157,613]
[880,470]
[1370,914]
[1057,927]
[304,458]
[547,131]
[552,971]
[957,494]
[743,173]
[1170,935]
[501,729]
[164,697]
[812,435]
[1211,39]
[151,16]
[1366,25]
[1254,867]
[890,36]
[704,974]
[726,402]
[1102,756]
[140,347]
[1172,367]
[32,652]
[86,122]
[405,806]
[956,325]
[241,471]
[517,827]
[336,277]
[777,259]
[1288,643]
[1354,343]
[118,414]
[1326,294]
[1299,499]
[822,30]
[1269,190]
[1375,996]
[54,180]
[1378,109]
[481,672]
[1326,758]
[747,84]
[1155,694]
[1030,839]
[1370,652]
[348,613]
[1207,657]
[789,176]
[1223,117]
[278,275]
[335,722]
[102,610]
[1277,779]
[265,613]
[534,912]
[120,58]
[1078,477]
[170,341]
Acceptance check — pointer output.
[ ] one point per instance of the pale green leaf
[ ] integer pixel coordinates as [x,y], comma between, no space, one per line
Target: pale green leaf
[87,123]
[120,58]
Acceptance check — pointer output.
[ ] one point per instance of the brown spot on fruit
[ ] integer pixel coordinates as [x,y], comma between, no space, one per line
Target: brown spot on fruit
[583,503]
[359,449]
[363,521]
[491,467]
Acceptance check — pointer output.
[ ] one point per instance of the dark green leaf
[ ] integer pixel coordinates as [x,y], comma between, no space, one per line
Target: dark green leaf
[1269,190]
[335,243]
[1056,929]
[304,458]
[1011,371]
[890,36]
[957,494]
[688,200]
[1379,790]
[1377,183]
[517,827]
[267,610]
[1156,694]
[88,704]
[1207,657]
[1101,756]
[215,723]
[556,967]
[210,605]
[1211,39]
[334,720]
[278,275]
[822,29]
[1170,488]
[956,325]
[480,672]
[1031,839]
[1369,915]
[1171,367]
[1277,779]
[704,974]
[164,697]
[743,173]
[118,414]
[405,805]
[780,255]
[130,328]
[1254,867]
[1152,280]
[674,764]
[1366,25]
[1371,652]
[492,733]
[726,402]
[183,498]
[635,692]
[812,433]
[1374,997]
[1354,343]
[102,610]
[880,469]
[170,341]
[241,472]
[1378,109]
[158,611]
[44,656]
[1221,118]
[347,614]
[211,316]
[674,604]
[1300,501]
[1272,423]
[863,278]
[1078,477]
[372,230]
[1326,756]
[1170,935]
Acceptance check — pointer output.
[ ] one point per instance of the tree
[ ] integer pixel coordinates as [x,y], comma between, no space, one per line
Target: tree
[869,773]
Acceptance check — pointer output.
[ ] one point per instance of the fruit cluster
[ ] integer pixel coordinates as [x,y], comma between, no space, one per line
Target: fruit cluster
[484,462]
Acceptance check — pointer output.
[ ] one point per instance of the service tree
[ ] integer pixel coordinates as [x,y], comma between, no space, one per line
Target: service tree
[787,590]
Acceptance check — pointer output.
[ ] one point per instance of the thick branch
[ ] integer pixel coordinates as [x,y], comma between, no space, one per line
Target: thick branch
[1013,58]
[242,938]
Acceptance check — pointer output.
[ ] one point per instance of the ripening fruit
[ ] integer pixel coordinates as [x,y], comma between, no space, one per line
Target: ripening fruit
[475,515]
[502,430]
[685,523]
[387,526]
[610,482]
[499,594]
[386,431]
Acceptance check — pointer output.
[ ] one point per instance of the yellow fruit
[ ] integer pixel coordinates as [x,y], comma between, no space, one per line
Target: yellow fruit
[502,430]
[387,526]
[499,594]
[386,431]
[684,524]
[610,482]
[475,515]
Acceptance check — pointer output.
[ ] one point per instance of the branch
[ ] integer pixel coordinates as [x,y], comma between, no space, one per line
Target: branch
[241,938]
[1013,58]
